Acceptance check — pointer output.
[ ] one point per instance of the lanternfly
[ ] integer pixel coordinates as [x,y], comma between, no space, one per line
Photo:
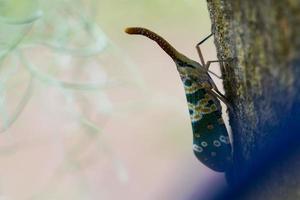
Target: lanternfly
[211,143]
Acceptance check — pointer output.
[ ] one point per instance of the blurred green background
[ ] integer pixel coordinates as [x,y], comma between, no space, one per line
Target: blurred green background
[89,112]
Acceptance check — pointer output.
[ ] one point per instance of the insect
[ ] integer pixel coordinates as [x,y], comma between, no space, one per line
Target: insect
[211,143]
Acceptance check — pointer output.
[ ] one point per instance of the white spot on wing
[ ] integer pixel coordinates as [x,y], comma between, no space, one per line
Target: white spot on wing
[224,139]
[204,144]
[217,143]
[197,148]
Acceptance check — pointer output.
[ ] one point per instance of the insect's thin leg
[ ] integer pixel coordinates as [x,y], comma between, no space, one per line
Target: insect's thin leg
[221,97]
[216,75]
[199,50]
[214,87]
[214,61]
[221,64]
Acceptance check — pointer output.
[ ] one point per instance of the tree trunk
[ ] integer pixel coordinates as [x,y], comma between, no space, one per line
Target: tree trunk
[263,88]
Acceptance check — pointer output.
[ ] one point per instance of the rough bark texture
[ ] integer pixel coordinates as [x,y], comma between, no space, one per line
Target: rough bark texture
[263,86]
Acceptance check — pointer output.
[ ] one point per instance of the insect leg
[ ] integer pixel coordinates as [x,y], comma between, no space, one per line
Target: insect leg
[214,61]
[221,97]
[216,75]
[199,50]
[216,93]
[221,64]
[209,62]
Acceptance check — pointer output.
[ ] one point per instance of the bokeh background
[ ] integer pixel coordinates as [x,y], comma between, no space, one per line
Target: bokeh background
[89,112]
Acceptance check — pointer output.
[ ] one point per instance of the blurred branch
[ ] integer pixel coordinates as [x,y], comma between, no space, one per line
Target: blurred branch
[24,21]
[9,120]
[46,78]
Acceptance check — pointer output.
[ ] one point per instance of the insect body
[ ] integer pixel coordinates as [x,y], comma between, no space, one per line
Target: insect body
[211,143]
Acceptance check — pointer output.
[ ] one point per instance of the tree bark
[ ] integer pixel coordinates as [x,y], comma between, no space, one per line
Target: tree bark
[263,86]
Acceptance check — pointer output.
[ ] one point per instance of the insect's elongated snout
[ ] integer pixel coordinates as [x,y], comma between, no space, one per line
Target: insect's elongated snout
[167,47]
[181,60]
